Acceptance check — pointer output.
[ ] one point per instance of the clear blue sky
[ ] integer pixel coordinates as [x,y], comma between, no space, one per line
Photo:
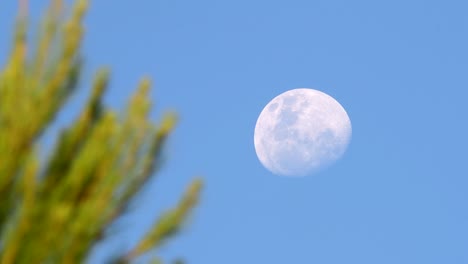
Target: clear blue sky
[399,68]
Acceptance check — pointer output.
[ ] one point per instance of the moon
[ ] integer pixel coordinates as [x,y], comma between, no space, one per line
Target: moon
[300,132]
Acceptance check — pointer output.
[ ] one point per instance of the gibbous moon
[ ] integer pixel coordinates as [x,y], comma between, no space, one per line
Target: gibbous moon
[300,132]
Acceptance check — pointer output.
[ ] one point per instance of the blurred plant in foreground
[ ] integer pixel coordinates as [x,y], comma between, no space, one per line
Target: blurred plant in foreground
[57,211]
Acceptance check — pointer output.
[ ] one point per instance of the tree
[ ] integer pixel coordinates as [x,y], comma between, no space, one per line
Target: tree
[56,211]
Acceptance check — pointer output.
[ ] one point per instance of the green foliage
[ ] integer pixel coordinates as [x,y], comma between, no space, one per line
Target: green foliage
[57,211]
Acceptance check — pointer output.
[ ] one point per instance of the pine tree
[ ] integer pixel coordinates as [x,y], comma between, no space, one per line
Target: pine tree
[55,211]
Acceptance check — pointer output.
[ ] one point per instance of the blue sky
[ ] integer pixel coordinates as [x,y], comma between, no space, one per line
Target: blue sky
[398,195]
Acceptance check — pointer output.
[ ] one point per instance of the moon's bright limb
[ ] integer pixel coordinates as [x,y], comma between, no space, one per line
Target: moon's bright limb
[301,131]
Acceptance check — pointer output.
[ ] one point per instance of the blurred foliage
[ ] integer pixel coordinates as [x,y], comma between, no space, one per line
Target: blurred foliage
[57,211]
